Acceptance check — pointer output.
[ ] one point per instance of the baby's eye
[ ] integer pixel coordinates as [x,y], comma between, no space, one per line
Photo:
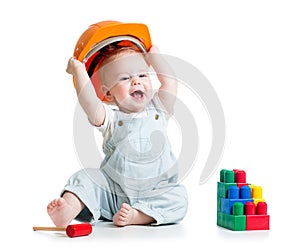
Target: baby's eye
[143,75]
[124,78]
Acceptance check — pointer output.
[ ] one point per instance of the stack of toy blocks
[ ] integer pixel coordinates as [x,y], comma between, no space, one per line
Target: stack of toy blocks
[240,205]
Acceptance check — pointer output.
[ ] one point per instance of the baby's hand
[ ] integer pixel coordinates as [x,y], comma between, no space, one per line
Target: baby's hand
[149,57]
[154,50]
[74,65]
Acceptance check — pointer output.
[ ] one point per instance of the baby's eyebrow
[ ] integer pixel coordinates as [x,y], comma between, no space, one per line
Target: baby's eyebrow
[123,74]
[143,70]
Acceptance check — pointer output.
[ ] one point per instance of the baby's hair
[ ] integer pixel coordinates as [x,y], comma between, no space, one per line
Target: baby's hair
[111,50]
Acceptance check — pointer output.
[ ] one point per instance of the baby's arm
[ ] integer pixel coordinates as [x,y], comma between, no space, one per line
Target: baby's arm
[168,89]
[87,97]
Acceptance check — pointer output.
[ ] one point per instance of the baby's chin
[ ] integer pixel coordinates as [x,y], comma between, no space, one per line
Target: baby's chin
[132,106]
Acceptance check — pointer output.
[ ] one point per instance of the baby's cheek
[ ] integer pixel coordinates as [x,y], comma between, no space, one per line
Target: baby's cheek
[148,84]
[121,96]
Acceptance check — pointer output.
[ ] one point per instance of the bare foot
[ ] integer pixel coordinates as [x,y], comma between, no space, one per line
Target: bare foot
[63,210]
[60,212]
[130,216]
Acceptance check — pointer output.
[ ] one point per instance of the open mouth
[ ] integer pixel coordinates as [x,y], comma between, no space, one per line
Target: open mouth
[137,94]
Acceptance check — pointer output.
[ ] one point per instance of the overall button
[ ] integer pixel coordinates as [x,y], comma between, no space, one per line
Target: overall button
[156,116]
[120,123]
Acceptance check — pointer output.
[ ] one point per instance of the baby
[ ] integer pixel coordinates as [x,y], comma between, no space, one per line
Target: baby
[136,183]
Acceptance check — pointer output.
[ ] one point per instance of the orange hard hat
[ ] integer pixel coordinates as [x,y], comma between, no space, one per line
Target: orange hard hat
[101,34]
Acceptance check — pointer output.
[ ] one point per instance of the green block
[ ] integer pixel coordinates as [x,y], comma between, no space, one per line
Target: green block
[232,222]
[223,189]
[220,219]
[219,204]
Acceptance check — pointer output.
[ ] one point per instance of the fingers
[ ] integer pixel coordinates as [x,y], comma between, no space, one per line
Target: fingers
[73,63]
[152,55]
[154,49]
[69,66]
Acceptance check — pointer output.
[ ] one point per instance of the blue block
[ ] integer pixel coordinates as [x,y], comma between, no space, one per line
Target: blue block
[245,192]
[226,204]
[233,192]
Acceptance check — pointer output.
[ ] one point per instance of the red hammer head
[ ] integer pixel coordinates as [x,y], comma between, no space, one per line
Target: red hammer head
[77,230]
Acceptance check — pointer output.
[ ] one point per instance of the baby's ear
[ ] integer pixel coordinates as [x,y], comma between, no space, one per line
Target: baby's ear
[106,93]
[109,96]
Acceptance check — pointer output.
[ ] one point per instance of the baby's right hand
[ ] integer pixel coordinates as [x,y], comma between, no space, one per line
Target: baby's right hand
[74,65]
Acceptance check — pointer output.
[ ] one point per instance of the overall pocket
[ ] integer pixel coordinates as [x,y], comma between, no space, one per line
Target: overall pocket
[141,176]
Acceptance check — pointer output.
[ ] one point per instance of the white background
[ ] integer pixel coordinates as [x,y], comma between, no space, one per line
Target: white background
[248,50]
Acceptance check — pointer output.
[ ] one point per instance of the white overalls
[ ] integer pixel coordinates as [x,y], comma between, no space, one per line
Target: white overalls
[139,168]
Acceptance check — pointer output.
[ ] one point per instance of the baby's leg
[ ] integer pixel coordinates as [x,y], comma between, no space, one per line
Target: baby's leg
[130,216]
[63,210]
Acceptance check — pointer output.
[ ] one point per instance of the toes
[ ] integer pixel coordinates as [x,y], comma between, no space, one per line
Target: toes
[122,219]
[51,204]
[126,206]
[60,201]
[123,213]
[119,220]
[49,207]
[55,203]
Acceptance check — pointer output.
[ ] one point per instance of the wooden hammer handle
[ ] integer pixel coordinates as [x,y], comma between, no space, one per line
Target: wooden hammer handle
[49,229]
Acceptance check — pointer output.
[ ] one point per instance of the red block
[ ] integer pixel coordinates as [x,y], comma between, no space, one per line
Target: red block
[257,222]
[241,184]
[239,176]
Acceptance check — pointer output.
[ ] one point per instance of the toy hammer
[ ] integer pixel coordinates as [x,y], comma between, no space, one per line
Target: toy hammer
[72,231]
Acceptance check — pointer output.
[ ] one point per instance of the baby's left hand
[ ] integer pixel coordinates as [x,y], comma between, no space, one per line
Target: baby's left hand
[149,56]
[154,50]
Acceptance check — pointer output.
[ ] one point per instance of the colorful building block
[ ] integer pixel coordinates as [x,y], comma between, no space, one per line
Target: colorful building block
[240,206]
[256,216]
[232,222]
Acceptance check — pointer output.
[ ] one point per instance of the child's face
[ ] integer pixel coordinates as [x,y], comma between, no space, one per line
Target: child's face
[127,81]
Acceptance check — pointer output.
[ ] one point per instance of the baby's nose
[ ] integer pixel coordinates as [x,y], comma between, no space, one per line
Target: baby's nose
[135,81]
